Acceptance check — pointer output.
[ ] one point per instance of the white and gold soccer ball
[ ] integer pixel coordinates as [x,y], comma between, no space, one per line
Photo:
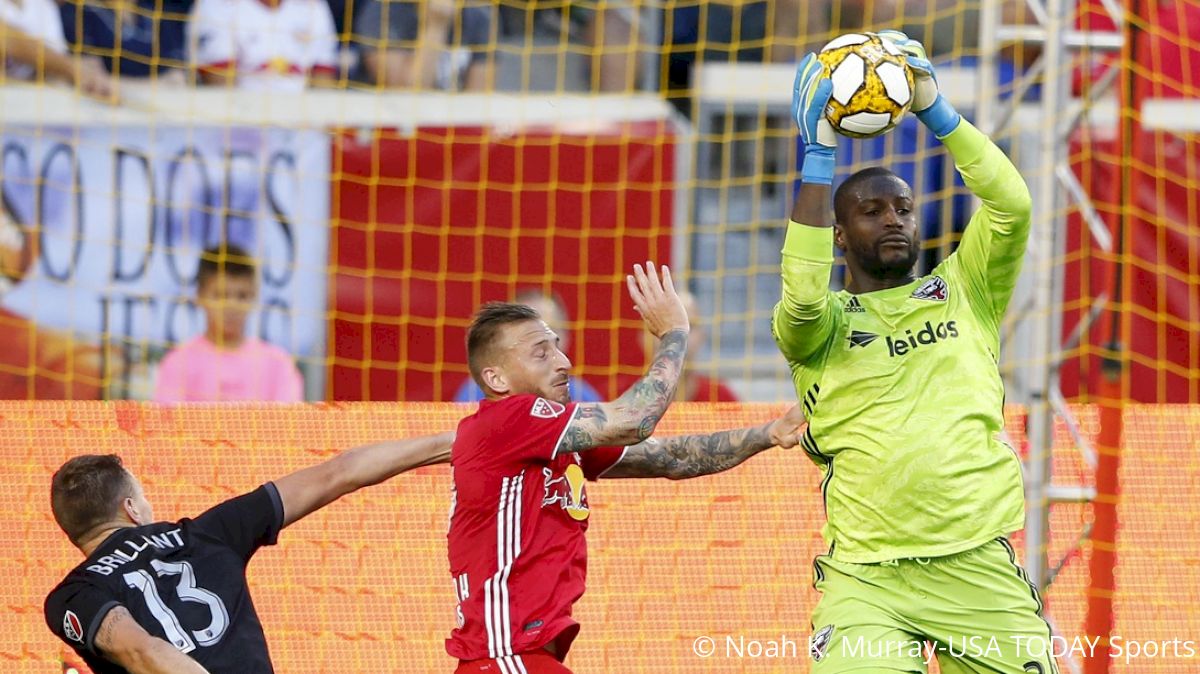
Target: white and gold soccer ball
[872,84]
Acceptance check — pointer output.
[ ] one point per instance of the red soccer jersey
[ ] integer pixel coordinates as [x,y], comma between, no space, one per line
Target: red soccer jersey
[518,555]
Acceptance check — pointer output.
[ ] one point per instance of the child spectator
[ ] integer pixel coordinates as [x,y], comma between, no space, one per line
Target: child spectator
[224,364]
[264,45]
[430,45]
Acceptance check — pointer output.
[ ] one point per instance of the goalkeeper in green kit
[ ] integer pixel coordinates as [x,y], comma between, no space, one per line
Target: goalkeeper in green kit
[898,377]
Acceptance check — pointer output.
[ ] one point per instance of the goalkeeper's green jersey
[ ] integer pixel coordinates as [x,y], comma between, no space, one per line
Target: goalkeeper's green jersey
[901,386]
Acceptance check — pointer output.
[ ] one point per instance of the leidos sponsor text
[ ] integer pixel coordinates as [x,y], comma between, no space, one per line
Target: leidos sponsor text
[930,334]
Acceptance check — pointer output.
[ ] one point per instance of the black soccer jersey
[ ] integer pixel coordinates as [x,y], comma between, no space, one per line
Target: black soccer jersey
[182,581]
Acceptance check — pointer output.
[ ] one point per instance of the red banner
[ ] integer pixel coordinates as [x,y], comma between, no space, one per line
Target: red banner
[1161,258]
[428,225]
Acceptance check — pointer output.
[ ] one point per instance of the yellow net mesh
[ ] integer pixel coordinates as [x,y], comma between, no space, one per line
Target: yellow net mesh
[382,217]
[363,585]
[389,177]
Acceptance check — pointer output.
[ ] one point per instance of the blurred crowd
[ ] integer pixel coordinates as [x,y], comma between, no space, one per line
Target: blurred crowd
[373,45]
[454,45]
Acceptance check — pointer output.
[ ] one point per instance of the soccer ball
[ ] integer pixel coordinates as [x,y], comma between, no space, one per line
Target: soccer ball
[872,84]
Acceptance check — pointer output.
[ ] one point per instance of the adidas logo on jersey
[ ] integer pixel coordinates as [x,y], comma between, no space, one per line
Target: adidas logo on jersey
[853,307]
[934,289]
[925,336]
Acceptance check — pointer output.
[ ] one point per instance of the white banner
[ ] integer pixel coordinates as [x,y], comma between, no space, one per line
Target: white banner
[116,217]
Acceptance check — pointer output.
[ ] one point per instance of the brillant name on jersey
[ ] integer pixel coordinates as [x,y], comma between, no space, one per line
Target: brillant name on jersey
[168,540]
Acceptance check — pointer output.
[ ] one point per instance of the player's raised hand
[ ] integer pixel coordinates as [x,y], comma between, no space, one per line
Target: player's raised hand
[810,94]
[930,106]
[786,430]
[656,300]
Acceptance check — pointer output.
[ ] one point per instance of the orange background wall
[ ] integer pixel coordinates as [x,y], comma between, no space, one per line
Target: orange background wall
[362,586]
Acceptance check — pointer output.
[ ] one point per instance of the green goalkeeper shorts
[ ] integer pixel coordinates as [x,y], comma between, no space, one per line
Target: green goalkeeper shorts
[975,612]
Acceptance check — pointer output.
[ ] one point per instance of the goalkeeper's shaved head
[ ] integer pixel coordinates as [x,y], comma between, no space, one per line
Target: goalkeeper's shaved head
[850,191]
[876,224]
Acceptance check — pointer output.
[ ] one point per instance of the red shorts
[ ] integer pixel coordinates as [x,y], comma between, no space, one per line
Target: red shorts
[534,662]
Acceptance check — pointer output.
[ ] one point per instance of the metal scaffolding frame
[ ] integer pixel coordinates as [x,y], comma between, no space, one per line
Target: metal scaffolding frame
[1055,185]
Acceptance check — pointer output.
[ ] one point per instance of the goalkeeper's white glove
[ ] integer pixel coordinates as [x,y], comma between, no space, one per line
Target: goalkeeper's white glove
[930,106]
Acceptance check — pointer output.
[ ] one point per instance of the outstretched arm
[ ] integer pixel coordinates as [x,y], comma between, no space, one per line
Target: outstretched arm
[632,417]
[803,319]
[992,249]
[993,245]
[686,456]
[123,641]
[317,486]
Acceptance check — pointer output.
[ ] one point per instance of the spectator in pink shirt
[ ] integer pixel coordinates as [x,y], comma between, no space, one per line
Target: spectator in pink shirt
[224,364]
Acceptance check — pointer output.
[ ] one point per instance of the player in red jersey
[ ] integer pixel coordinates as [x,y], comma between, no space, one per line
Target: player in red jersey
[518,556]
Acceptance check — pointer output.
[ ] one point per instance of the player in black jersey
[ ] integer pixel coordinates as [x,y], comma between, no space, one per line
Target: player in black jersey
[171,597]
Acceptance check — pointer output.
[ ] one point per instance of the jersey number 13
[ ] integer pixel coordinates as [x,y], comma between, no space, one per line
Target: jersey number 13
[187,591]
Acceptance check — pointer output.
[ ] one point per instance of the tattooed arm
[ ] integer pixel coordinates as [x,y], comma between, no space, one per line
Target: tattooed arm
[685,456]
[123,641]
[632,417]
